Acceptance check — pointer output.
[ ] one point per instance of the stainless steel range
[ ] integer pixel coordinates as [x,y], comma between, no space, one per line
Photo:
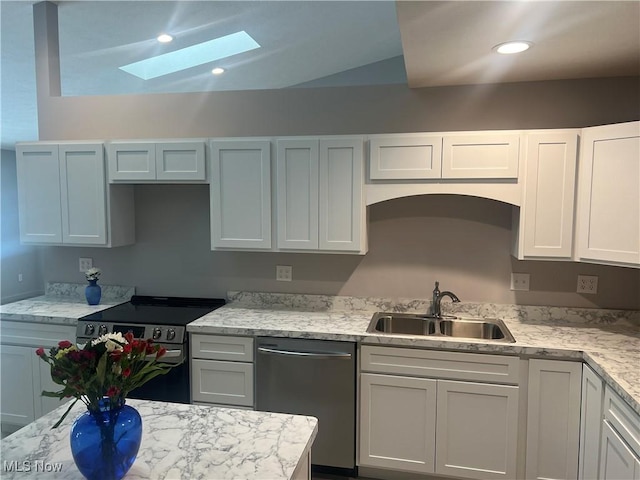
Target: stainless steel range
[162,319]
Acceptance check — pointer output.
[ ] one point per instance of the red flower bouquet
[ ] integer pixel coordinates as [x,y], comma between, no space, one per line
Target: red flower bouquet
[103,370]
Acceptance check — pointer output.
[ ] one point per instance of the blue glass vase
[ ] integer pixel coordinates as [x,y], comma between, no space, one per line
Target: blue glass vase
[104,443]
[93,292]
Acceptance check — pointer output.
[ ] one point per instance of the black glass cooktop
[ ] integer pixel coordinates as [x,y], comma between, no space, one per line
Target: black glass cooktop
[157,310]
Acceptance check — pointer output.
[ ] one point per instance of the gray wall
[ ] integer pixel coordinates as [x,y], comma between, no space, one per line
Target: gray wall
[461,241]
[15,258]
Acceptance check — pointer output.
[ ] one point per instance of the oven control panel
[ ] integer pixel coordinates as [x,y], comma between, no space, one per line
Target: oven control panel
[158,333]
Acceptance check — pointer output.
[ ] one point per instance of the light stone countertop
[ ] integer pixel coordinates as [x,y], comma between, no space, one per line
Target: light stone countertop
[607,340]
[178,442]
[63,303]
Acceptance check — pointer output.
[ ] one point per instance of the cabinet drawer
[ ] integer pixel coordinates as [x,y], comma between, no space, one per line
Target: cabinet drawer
[220,347]
[486,155]
[226,383]
[436,364]
[625,421]
[36,334]
[402,157]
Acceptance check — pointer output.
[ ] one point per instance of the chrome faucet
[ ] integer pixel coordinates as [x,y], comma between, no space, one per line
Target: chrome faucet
[437,298]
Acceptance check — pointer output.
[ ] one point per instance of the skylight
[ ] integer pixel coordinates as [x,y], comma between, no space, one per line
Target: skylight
[192,56]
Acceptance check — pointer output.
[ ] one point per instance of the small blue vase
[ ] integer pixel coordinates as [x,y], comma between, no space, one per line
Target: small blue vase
[105,443]
[93,292]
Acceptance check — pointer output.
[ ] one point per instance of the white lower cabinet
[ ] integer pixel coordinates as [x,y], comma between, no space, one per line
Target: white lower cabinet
[476,430]
[222,370]
[16,365]
[618,460]
[24,375]
[590,424]
[398,422]
[466,429]
[620,442]
[553,419]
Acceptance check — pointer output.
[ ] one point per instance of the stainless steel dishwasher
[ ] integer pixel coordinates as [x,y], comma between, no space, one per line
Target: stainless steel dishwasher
[317,378]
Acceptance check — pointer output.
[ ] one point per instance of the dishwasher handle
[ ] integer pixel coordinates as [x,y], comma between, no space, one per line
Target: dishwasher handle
[311,355]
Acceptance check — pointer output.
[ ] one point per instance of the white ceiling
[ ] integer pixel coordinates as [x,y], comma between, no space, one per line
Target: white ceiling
[316,43]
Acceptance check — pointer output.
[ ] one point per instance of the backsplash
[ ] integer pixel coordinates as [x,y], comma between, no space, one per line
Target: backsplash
[76,290]
[524,313]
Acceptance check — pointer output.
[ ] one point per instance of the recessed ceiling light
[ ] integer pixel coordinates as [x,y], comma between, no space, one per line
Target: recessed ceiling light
[217,71]
[512,47]
[192,56]
[164,38]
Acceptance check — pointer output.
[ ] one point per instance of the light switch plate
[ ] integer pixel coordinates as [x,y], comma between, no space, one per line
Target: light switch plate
[520,281]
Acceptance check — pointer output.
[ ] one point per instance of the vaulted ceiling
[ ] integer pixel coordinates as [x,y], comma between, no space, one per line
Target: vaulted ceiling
[316,44]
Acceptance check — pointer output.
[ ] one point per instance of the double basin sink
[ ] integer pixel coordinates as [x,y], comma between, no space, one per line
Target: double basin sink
[446,326]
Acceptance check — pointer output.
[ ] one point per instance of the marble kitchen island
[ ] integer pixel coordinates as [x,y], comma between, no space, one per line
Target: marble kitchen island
[178,442]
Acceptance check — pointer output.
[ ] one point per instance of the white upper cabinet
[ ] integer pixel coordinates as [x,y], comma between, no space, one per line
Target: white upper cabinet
[546,215]
[297,193]
[63,198]
[397,157]
[609,195]
[240,194]
[169,161]
[84,216]
[480,155]
[342,207]
[320,194]
[39,206]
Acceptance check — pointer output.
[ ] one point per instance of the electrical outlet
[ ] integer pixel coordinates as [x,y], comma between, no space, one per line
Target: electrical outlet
[19,277]
[587,284]
[85,264]
[284,273]
[520,281]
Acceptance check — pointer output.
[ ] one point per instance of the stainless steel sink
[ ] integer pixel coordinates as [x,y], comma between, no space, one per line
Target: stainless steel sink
[403,323]
[425,325]
[487,329]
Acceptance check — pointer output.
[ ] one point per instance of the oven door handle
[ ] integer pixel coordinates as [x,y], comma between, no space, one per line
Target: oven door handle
[312,355]
[171,356]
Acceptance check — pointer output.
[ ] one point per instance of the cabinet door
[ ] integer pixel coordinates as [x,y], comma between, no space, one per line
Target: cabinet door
[476,430]
[553,419]
[241,194]
[38,172]
[180,161]
[16,365]
[83,196]
[342,205]
[590,423]
[617,461]
[397,422]
[228,383]
[609,194]
[482,155]
[403,157]
[297,192]
[549,193]
[132,161]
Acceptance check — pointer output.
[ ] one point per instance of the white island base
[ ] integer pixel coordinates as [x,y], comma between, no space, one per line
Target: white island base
[178,442]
